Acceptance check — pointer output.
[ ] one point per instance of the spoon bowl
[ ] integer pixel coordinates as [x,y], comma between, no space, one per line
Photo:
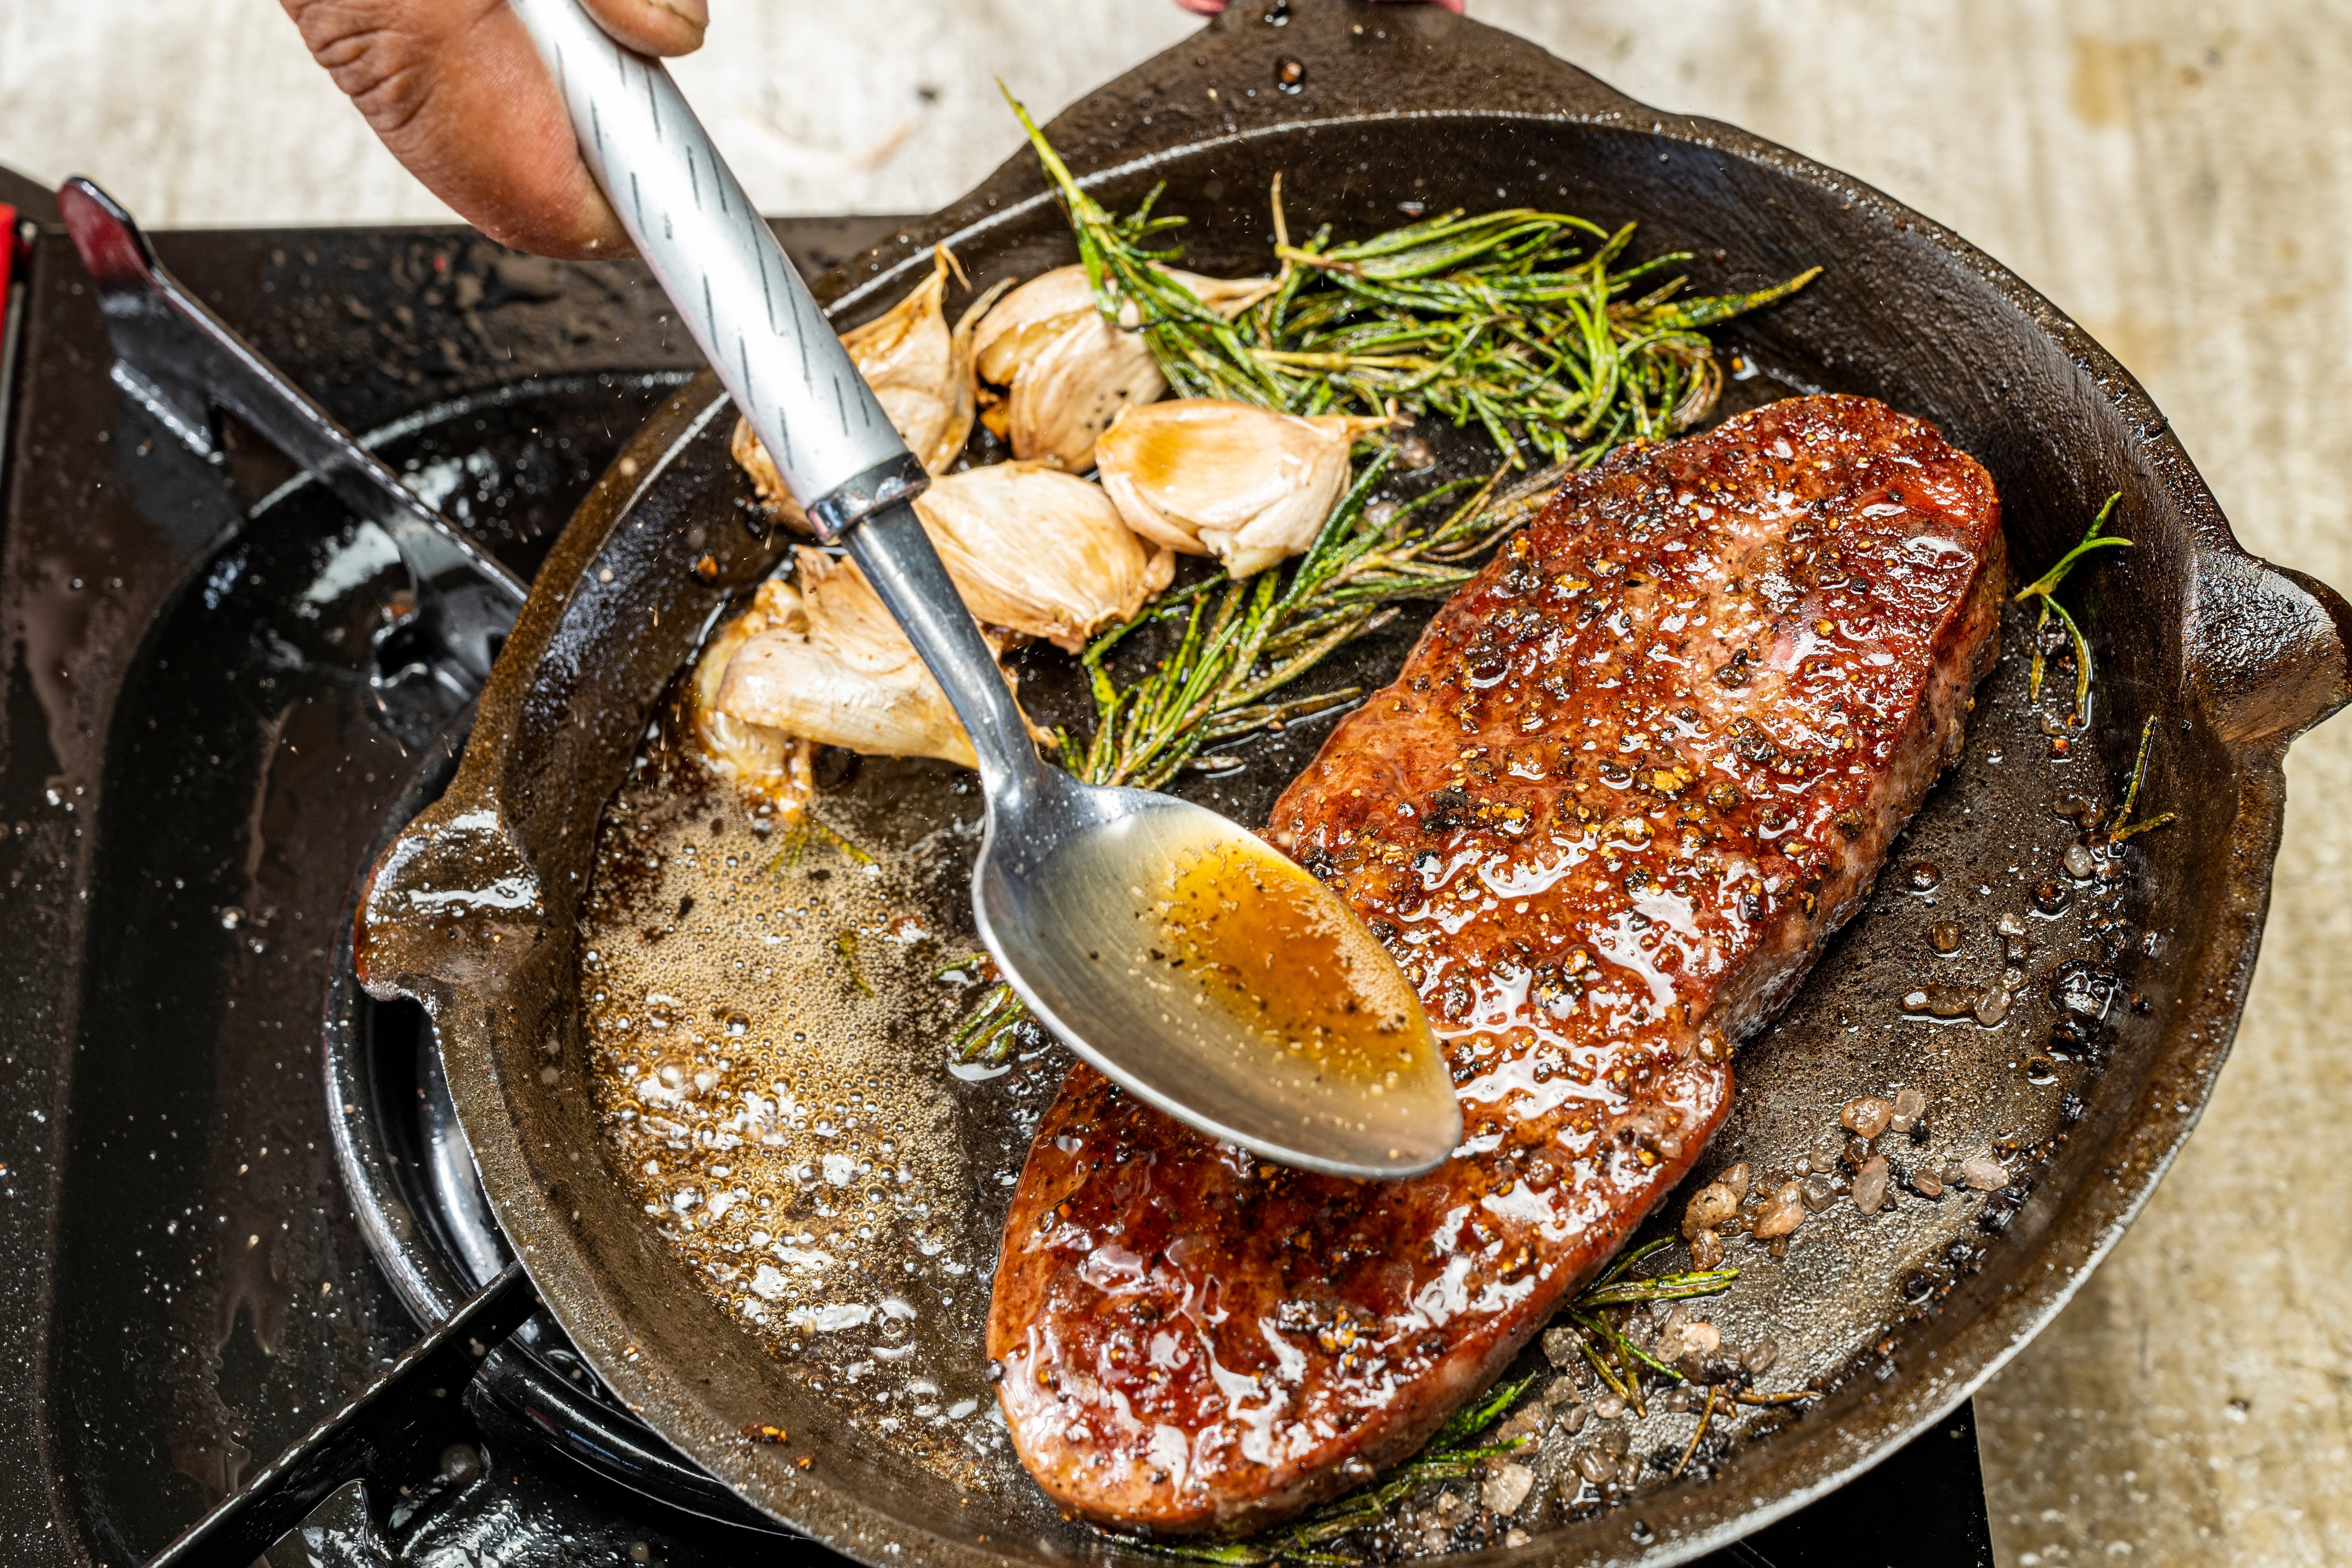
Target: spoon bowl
[1207,974]
[1181,955]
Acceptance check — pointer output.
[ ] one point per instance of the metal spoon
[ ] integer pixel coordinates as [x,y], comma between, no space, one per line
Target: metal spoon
[1163,943]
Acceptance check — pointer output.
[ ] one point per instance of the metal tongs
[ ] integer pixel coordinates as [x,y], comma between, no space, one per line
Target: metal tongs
[183,364]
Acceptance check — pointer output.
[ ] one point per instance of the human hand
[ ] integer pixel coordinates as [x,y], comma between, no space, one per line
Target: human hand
[457,92]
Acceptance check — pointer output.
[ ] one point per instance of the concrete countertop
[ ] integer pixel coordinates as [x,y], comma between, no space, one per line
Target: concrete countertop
[2174,174]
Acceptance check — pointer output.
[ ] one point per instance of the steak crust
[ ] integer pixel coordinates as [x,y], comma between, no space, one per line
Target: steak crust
[1630,777]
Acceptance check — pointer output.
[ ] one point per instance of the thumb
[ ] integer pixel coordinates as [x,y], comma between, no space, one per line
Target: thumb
[654,26]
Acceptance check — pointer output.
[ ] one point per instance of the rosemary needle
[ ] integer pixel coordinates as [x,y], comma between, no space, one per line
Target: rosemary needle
[1705,1416]
[2120,832]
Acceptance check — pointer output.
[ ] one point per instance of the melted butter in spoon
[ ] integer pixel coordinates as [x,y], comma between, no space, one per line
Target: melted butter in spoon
[1253,936]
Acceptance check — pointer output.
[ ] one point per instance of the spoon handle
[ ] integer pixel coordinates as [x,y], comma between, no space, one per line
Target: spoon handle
[743,301]
[762,331]
[891,548]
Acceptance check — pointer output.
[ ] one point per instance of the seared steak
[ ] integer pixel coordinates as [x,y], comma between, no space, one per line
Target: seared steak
[1630,779]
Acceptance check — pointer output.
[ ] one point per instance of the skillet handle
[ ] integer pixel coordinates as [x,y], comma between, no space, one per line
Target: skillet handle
[2276,641]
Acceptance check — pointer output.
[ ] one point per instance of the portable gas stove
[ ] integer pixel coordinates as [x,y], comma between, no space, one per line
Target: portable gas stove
[232,1189]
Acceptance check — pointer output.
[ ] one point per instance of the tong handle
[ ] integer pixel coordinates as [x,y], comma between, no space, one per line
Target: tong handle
[743,301]
[180,361]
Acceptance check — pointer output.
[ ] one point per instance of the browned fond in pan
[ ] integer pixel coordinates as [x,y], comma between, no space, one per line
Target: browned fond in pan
[2234,657]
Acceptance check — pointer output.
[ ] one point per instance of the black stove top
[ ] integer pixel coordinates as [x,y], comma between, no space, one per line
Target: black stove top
[228,1187]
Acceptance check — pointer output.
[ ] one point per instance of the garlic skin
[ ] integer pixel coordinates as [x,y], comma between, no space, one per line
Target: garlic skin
[1209,477]
[767,480]
[1040,553]
[1070,371]
[842,674]
[766,761]
[920,373]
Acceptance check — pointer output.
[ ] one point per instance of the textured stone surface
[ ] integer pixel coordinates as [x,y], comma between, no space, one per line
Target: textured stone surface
[2175,172]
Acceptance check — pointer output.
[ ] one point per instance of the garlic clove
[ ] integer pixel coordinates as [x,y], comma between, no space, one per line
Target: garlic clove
[1027,319]
[1209,477]
[920,372]
[844,674]
[1040,553]
[906,355]
[1064,398]
[766,760]
[1069,371]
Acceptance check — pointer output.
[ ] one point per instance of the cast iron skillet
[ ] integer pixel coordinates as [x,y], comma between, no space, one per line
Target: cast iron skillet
[2235,657]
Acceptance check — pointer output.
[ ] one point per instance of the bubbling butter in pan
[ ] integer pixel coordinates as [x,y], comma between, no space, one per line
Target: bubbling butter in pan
[765,1028]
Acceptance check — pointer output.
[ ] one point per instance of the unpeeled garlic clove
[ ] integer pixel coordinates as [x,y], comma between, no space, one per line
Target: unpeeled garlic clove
[920,372]
[1062,400]
[1248,485]
[766,760]
[1069,371]
[844,674]
[1038,551]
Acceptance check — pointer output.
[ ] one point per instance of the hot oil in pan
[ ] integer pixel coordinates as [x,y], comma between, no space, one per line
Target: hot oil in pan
[765,1026]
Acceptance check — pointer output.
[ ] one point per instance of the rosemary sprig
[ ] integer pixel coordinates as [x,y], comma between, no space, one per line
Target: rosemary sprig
[2045,588]
[1523,324]
[1667,1288]
[1132,288]
[1519,321]
[1450,1455]
[2125,828]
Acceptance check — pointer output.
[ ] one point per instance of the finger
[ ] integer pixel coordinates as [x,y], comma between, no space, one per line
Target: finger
[654,26]
[457,92]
